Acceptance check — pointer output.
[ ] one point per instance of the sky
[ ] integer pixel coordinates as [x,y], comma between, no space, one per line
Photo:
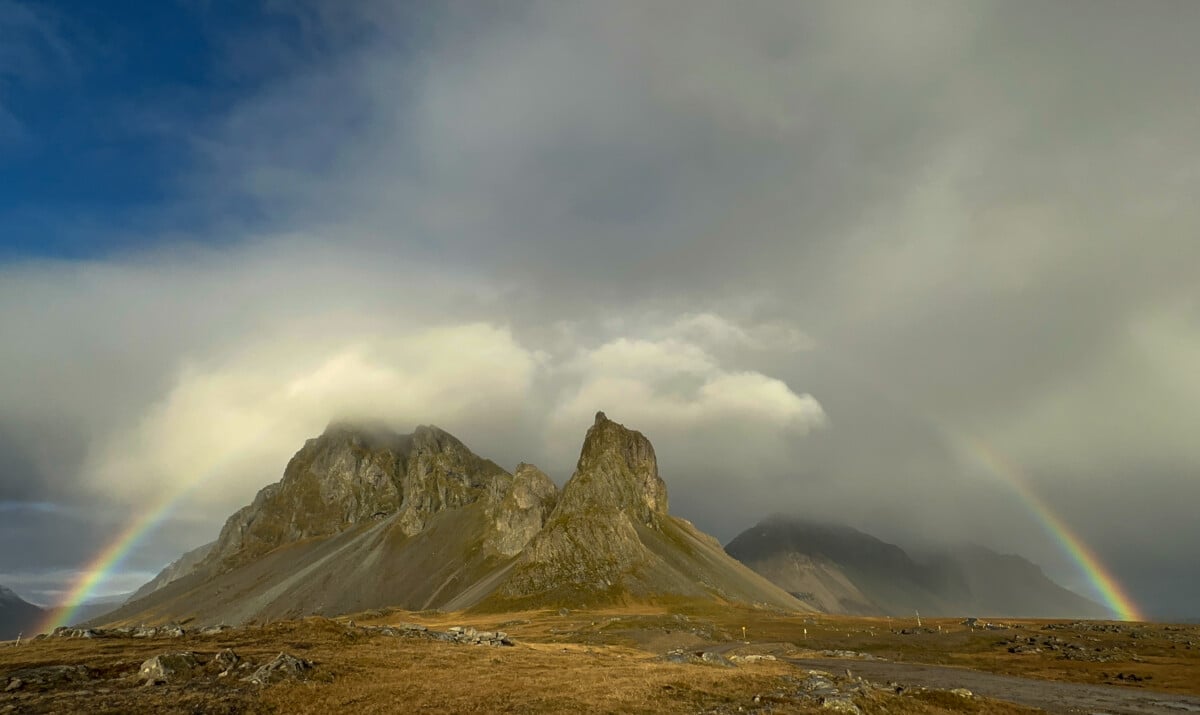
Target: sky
[815,251]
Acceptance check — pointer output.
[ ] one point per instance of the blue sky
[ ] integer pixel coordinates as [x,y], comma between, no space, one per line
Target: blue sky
[805,237]
[108,109]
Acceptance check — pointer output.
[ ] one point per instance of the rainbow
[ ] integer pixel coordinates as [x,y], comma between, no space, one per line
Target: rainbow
[1101,579]
[976,451]
[112,556]
[115,553]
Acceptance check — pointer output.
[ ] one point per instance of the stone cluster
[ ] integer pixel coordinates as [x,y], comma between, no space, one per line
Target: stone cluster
[455,634]
[168,631]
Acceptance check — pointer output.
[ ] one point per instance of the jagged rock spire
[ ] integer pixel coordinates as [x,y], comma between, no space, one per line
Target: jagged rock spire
[617,470]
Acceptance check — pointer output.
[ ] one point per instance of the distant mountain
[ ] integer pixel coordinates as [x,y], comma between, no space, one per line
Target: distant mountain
[174,571]
[366,518]
[17,615]
[97,607]
[839,569]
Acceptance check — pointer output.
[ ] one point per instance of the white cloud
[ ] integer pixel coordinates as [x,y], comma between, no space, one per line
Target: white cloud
[702,416]
[230,426]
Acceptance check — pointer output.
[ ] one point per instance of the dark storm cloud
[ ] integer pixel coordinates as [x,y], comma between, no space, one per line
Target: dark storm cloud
[810,249]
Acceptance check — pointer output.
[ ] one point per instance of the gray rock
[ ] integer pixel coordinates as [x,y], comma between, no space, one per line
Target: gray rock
[48,675]
[679,657]
[168,667]
[840,704]
[716,659]
[752,658]
[522,512]
[282,667]
[225,662]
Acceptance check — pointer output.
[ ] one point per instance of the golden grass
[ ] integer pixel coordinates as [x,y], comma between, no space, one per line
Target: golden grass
[595,661]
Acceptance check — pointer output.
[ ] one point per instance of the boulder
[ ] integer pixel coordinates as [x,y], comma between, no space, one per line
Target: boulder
[282,667]
[168,667]
[225,662]
[716,659]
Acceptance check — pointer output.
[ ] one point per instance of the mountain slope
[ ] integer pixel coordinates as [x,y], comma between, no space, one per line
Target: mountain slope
[842,570]
[175,570]
[17,615]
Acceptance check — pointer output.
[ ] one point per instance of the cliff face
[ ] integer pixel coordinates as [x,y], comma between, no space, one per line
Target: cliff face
[351,475]
[617,472]
[520,514]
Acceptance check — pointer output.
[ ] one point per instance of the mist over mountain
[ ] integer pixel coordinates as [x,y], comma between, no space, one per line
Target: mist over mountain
[840,569]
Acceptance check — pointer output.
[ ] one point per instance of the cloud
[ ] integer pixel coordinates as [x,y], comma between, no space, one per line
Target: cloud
[711,328]
[228,427]
[673,385]
[225,426]
[797,245]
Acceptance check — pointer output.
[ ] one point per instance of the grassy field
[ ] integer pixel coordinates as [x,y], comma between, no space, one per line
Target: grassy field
[594,661]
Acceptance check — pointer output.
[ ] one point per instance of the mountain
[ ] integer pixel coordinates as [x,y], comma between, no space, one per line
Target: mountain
[366,518]
[17,615]
[94,608]
[839,569]
[611,539]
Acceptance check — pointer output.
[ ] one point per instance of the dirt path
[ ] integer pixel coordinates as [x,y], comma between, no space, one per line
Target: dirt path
[1048,695]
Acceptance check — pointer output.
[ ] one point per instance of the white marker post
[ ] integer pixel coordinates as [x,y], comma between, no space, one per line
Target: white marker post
[918,618]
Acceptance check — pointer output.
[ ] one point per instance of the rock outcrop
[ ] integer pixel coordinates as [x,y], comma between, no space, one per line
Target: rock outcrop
[611,539]
[522,512]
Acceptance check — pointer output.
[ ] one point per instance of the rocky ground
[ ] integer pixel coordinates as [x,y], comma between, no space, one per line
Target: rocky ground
[648,659]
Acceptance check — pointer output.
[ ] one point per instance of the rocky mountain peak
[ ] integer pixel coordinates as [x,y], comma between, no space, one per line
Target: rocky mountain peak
[355,473]
[617,470]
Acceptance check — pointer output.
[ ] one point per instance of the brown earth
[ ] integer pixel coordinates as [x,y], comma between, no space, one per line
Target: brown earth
[610,660]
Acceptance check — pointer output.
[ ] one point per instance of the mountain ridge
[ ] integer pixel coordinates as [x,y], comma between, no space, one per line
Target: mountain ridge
[379,519]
